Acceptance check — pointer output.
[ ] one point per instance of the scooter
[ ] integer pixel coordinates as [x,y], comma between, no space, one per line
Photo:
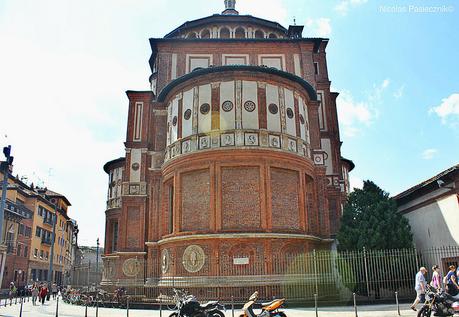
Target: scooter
[269,309]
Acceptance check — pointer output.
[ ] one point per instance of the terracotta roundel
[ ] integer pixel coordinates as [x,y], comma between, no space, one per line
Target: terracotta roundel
[174,121]
[205,108]
[193,258]
[289,113]
[165,260]
[131,267]
[273,108]
[249,106]
[187,114]
[227,106]
[135,166]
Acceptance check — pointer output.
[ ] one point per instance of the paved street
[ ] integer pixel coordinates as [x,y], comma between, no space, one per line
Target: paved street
[65,310]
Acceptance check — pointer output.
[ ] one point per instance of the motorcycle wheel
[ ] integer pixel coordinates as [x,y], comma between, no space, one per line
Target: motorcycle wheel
[215,313]
[175,314]
[424,312]
[280,314]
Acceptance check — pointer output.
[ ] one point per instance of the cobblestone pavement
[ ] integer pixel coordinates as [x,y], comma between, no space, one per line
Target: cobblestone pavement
[66,310]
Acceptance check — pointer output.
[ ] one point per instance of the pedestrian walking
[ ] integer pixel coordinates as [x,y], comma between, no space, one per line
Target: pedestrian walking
[420,287]
[43,293]
[436,277]
[451,281]
[34,293]
[12,291]
[54,290]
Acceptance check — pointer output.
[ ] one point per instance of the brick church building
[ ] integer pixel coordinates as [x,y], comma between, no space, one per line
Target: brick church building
[232,156]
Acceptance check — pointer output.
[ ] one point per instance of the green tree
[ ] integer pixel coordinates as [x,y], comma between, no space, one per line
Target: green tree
[370,219]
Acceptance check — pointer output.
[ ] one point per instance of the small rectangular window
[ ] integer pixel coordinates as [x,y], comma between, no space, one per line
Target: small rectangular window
[316,68]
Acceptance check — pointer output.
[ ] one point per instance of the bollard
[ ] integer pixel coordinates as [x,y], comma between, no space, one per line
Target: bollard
[127,306]
[57,307]
[86,309]
[355,305]
[232,306]
[15,300]
[97,308]
[396,300]
[20,310]
[315,305]
[160,309]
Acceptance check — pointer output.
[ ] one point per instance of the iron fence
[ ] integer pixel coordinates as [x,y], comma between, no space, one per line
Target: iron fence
[373,275]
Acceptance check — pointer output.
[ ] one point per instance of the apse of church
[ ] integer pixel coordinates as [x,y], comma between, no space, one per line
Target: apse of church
[232,155]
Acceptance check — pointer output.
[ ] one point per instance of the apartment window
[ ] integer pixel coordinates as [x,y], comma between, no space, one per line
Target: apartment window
[35,252]
[26,251]
[33,272]
[28,231]
[21,229]
[18,250]
[41,254]
[38,232]
[40,211]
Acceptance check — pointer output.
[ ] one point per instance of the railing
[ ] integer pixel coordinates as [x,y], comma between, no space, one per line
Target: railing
[373,275]
[46,241]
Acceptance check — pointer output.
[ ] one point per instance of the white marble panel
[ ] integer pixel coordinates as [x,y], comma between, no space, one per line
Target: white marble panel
[227,118]
[289,103]
[187,125]
[249,97]
[204,120]
[272,97]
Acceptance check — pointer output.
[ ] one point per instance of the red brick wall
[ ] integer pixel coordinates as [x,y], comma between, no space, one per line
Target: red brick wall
[241,198]
[195,200]
[284,193]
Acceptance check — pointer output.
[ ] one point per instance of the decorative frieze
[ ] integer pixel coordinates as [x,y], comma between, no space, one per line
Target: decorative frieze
[134,189]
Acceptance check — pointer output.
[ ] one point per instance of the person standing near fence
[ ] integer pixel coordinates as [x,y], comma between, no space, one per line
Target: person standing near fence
[436,278]
[451,281]
[420,287]
[54,290]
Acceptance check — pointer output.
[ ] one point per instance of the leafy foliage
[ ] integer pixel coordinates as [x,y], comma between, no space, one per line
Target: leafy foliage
[370,219]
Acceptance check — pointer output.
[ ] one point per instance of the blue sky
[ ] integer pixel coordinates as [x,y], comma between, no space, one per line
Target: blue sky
[65,66]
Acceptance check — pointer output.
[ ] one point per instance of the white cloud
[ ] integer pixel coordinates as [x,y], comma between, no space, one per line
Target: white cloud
[320,27]
[355,115]
[429,154]
[344,6]
[399,92]
[449,108]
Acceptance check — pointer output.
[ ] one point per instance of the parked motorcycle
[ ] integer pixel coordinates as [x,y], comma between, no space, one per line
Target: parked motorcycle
[268,309]
[439,303]
[189,306]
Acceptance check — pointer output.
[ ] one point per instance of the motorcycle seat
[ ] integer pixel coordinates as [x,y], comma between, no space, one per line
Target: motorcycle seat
[209,304]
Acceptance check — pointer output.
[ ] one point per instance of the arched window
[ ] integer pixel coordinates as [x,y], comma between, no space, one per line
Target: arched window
[240,33]
[259,34]
[205,34]
[272,36]
[191,35]
[224,33]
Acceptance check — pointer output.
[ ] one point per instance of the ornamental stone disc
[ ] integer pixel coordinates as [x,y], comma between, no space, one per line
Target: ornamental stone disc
[193,258]
[131,267]
[165,260]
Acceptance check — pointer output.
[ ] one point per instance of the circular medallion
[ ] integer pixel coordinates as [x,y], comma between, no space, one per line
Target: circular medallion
[193,258]
[174,121]
[187,114]
[227,106]
[289,113]
[131,267]
[249,106]
[301,119]
[135,166]
[165,260]
[273,108]
[205,108]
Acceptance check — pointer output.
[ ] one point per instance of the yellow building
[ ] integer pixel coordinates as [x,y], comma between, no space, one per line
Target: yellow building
[28,235]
